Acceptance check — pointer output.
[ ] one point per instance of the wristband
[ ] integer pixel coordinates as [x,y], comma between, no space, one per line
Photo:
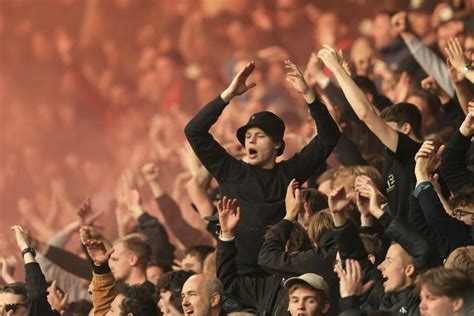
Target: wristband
[226,238]
[28,250]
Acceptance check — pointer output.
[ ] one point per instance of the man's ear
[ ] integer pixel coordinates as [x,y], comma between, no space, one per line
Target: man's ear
[406,128]
[458,304]
[215,299]
[277,145]
[410,270]
[326,307]
[133,259]
[371,258]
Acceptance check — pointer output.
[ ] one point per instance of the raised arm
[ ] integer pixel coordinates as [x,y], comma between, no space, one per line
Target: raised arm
[453,165]
[357,99]
[305,163]
[212,155]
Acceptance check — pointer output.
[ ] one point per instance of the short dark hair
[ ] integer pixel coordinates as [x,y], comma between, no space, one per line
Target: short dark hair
[373,246]
[138,301]
[199,251]
[173,281]
[402,113]
[81,307]
[17,288]
[299,239]
[463,197]
[434,104]
[316,200]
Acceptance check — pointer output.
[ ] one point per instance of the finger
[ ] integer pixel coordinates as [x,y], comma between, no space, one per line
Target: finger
[109,252]
[219,206]
[440,151]
[290,189]
[349,268]
[367,286]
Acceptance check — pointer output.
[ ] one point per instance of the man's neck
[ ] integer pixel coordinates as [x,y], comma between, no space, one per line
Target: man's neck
[137,276]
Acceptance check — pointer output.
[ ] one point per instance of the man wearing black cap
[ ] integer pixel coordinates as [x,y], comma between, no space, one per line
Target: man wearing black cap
[260,183]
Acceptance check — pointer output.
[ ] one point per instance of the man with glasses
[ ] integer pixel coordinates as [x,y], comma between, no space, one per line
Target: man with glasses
[13,298]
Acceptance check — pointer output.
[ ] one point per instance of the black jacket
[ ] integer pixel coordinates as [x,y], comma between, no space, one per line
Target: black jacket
[37,292]
[266,294]
[453,164]
[260,192]
[275,260]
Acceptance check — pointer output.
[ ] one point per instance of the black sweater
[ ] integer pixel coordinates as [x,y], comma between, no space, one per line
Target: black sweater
[260,192]
[453,165]
[37,292]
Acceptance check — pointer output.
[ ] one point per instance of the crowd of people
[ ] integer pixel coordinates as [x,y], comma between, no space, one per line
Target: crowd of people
[158,157]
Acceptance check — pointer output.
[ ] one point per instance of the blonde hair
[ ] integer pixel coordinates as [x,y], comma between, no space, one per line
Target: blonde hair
[346,176]
[461,258]
[209,265]
[139,245]
[319,224]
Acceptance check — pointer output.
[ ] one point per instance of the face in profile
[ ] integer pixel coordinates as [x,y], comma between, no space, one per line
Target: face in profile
[196,299]
[396,269]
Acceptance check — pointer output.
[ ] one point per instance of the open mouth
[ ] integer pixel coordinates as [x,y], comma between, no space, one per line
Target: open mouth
[252,153]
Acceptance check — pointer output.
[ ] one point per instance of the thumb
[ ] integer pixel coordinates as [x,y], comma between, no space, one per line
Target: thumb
[109,252]
[367,286]
[440,151]
[251,85]
[65,299]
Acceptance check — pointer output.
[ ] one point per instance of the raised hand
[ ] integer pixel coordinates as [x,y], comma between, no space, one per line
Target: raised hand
[350,279]
[97,251]
[239,84]
[456,54]
[292,201]
[229,215]
[430,84]
[400,22]
[134,203]
[337,200]
[151,171]
[86,215]
[88,232]
[427,160]
[368,190]
[295,78]
[22,237]
[467,126]
[330,58]
[57,299]
[454,75]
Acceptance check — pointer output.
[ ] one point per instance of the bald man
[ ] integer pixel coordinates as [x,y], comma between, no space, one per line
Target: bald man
[202,295]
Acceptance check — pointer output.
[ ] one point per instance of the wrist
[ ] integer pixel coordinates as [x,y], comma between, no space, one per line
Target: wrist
[465,131]
[377,212]
[227,234]
[226,95]
[366,220]
[309,96]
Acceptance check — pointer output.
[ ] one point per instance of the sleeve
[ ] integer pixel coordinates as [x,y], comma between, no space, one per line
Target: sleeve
[37,291]
[174,218]
[431,64]
[65,280]
[245,290]
[274,259]
[69,262]
[456,232]
[161,249]
[417,218]
[59,240]
[453,164]
[347,153]
[412,241]
[212,155]
[103,289]
[303,164]
[406,149]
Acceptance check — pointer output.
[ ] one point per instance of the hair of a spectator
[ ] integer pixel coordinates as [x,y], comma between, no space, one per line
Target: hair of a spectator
[326,175]
[81,307]
[373,246]
[402,113]
[321,296]
[17,288]
[139,302]
[319,224]
[139,245]
[173,281]
[461,258]
[434,104]
[316,200]
[462,197]
[174,56]
[452,283]
[213,285]
[199,251]
[346,176]
[299,239]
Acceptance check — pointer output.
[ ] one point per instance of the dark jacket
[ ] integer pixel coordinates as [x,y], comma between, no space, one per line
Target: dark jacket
[274,259]
[453,164]
[266,294]
[260,192]
[37,292]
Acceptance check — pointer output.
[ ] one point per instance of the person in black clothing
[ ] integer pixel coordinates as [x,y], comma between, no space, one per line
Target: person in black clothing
[398,127]
[36,286]
[267,294]
[260,184]
[453,165]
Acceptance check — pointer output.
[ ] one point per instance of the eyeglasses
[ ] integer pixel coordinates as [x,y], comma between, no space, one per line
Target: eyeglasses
[14,307]
[459,213]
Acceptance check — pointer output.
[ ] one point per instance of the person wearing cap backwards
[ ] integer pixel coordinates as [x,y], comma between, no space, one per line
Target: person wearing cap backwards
[307,294]
[260,183]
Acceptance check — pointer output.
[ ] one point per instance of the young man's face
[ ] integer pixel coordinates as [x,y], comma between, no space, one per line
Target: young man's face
[115,306]
[165,306]
[305,302]
[260,148]
[394,269]
[191,263]
[435,305]
[120,262]
[196,300]
[16,302]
